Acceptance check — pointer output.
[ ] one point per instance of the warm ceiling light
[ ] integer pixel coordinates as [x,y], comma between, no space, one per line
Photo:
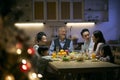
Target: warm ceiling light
[80,23]
[28,25]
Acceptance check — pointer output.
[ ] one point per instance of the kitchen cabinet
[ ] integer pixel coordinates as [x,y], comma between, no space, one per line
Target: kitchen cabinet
[58,10]
[96,10]
[71,10]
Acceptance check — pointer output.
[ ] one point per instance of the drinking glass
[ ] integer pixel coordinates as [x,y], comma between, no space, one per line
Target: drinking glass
[57,49]
[93,55]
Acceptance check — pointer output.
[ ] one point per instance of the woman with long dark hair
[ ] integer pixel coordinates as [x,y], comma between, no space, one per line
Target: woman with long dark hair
[98,40]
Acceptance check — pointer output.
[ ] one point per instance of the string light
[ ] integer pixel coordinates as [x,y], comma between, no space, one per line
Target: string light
[33,76]
[19,51]
[19,45]
[31,51]
[40,75]
[24,61]
[9,77]
[25,66]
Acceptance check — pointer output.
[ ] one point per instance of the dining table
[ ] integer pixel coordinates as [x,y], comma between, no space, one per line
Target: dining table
[80,67]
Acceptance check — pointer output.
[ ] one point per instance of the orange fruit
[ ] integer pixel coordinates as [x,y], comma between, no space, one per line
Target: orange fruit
[54,55]
[93,56]
[64,53]
[61,50]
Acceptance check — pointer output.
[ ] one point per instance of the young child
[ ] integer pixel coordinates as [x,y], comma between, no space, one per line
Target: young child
[43,59]
[43,52]
[43,64]
[106,53]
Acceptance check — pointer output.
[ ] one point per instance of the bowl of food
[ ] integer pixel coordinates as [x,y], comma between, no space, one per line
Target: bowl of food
[65,58]
[80,58]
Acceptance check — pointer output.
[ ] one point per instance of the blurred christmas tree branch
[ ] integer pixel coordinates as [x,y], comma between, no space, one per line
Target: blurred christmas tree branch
[13,42]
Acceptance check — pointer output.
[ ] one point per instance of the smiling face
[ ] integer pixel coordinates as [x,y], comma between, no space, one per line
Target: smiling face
[43,40]
[95,39]
[86,35]
[62,33]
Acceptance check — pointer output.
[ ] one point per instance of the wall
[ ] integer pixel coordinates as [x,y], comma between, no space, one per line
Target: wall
[117,17]
[110,29]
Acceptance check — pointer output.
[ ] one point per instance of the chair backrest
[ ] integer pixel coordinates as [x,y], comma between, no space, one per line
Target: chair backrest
[116,53]
[117,58]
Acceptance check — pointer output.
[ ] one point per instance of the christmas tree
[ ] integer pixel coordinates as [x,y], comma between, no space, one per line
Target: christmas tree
[15,55]
[15,52]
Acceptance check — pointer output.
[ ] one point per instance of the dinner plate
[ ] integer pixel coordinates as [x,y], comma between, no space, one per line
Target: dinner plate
[95,60]
[55,59]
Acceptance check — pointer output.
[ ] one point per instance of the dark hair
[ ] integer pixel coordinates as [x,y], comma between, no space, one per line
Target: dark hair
[98,34]
[42,49]
[107,51]
[39,36]
[84,30]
